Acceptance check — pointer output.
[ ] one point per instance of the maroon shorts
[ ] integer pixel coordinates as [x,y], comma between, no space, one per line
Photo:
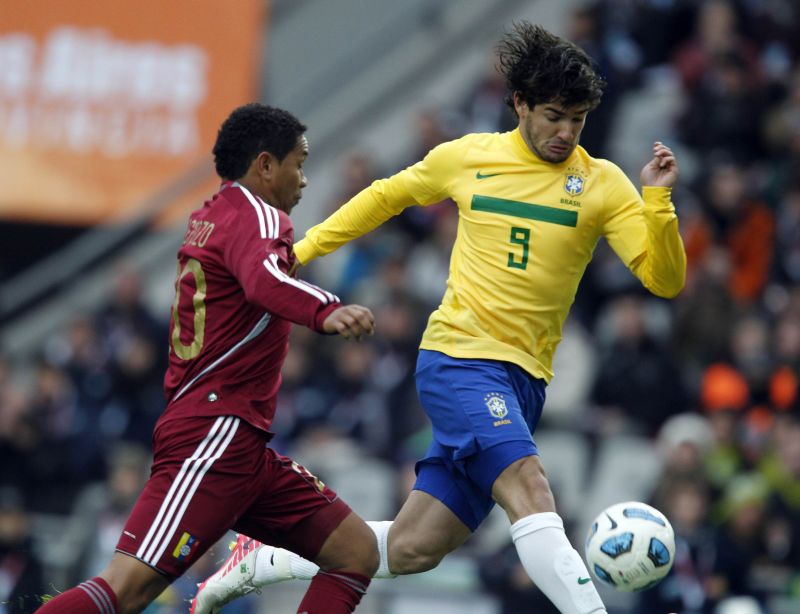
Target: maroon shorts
[214,474]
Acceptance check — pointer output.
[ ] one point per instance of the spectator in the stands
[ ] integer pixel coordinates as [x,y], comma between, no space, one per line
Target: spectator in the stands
[653,388]
[738,221]
[102,508]
[724,397]
[686,501]
[22,583]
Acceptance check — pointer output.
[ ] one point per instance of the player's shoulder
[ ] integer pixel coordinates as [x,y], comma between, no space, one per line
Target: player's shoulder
[484,140]
[222,204]
[598,165]
[584,158]
[285,226]
[474,143]
[236,196]
[251,208]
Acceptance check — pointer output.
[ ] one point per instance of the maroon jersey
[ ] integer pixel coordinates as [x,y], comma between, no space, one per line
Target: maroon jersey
[233,309]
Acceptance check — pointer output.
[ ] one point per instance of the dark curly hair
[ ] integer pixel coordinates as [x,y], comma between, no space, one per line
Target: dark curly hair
[249,130]
[543,67]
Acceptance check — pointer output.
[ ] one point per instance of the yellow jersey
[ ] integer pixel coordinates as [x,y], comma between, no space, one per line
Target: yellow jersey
[527,229]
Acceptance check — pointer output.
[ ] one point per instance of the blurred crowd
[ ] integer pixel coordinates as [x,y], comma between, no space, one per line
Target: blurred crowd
[707,381]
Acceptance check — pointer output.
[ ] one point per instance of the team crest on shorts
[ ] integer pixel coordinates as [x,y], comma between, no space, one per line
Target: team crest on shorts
[186,545]
[573,185]
[496,404]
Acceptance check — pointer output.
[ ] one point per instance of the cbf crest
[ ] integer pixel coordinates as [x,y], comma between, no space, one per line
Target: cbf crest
[496,404]
[573,185]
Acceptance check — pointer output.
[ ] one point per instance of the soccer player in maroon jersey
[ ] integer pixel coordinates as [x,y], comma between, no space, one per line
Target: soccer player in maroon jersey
[235,302]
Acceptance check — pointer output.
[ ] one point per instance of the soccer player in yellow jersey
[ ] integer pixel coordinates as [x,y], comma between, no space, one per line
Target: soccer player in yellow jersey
[532,206]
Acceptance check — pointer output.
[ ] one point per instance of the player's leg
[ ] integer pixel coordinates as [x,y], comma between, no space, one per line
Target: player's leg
[347,560]
[447,504]
[424,531]
[521,488]
[523,491]
[296,511]
[485,413]
[181,511]
[134,583]
[126,586]
[350,547]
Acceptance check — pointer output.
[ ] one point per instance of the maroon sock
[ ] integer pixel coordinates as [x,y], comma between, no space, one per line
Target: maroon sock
[336,592]
[91,597]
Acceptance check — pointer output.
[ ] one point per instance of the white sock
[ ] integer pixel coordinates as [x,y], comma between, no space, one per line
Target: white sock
[276,565]
[554,565]
[381,530]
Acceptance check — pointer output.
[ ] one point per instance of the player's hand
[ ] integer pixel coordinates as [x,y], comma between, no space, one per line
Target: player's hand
[662,170]
[350,321]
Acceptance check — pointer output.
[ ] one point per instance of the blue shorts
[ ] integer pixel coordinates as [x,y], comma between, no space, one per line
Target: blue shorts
[483,414]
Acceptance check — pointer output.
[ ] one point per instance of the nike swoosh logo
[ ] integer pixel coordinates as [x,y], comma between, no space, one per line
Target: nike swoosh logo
[480,175]
[613,522]
[584,580]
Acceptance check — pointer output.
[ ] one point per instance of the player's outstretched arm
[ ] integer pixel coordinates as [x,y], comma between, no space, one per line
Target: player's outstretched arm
[662,269]
[647,237]
[350,321]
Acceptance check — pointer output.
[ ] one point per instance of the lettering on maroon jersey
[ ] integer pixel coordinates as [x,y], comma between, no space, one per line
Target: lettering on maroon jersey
[198,233]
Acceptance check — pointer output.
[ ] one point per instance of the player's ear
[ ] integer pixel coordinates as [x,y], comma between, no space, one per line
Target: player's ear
[519,104]
[265,164]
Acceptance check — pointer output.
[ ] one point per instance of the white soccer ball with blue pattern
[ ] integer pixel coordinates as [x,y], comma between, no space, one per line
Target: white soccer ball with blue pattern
[630,546]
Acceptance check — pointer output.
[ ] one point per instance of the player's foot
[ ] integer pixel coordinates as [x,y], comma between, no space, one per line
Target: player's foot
[234,579]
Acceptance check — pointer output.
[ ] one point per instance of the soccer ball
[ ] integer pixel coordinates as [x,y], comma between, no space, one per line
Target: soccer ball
[630,546]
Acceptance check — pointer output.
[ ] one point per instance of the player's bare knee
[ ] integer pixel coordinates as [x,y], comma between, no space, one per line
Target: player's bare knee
[360,556]
[412,562]
[369,560]
[409,556]
[531,473]
[537,483]
[134,584]
[523,489]
[132,599]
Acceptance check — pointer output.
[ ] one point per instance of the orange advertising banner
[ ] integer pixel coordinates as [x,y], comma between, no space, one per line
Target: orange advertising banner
[102,102]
